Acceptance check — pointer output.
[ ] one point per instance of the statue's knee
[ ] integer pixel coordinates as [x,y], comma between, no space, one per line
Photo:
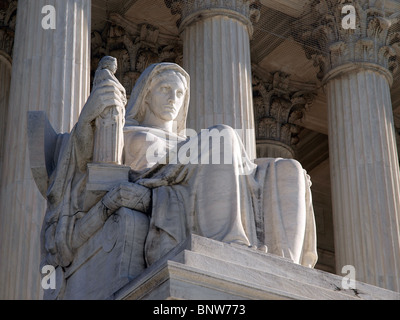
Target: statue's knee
[222,128]
[289,166]
[222,134]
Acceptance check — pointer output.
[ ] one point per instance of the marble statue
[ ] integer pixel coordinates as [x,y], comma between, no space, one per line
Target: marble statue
[174,179]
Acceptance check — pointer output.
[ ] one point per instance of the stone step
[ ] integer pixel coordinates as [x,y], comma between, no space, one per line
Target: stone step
[282,267]
[264,279]
[201,268]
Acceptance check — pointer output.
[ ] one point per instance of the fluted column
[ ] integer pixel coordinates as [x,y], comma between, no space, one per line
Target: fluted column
[365,176]
[357,70]
[50,72]
[216,53]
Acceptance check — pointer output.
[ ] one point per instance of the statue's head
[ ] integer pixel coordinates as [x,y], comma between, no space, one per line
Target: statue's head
[164,90]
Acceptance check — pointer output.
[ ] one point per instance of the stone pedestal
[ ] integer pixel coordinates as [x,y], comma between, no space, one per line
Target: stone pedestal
[216,54]
[205,269]
[50,72]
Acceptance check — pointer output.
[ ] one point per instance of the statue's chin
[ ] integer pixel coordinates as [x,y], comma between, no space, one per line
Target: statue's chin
[167,116]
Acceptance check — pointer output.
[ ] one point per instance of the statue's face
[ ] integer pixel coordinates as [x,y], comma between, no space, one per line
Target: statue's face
[166,97]
[115,67]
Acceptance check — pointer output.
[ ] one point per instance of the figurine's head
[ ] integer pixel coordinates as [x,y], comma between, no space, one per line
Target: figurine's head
[109,63]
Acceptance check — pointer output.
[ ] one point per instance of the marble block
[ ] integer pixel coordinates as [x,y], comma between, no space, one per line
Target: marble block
[102,177]
[205,269]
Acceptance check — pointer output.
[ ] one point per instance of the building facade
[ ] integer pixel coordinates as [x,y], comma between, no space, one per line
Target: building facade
[310,81]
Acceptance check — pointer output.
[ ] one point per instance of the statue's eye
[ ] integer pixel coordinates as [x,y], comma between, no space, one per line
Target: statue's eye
[164,89]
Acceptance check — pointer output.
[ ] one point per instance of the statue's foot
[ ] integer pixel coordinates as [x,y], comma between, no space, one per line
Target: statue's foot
[239,242]
[263,248]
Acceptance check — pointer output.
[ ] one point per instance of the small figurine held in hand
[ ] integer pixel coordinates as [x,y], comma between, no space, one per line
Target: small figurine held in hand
[109,139]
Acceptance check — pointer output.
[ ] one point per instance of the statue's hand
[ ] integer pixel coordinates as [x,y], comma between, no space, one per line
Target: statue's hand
[128,195]
[108,93]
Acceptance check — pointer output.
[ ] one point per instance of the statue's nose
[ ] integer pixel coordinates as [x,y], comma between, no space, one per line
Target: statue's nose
[172,98]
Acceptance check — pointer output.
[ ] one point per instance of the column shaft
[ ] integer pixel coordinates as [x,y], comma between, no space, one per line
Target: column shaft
[50,72]
[365,176]
[217,57]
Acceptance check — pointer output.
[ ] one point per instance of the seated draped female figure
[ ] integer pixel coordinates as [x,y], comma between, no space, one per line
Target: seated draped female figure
[186,182]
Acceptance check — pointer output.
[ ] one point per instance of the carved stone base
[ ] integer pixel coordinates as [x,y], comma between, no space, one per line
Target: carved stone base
[204,269]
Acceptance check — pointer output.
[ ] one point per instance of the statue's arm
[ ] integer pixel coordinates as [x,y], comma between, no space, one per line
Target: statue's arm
[128,195]
[106,94]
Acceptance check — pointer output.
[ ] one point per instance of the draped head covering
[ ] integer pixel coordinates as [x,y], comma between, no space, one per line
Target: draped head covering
[136,108]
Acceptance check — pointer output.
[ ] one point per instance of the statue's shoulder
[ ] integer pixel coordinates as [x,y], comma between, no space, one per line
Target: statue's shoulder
[138,139]
[146,133]
[136,132]
[103,73]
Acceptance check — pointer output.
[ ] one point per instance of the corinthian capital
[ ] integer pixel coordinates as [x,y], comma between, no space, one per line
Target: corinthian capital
[277,109]
[8,15]
[371,41]
[248,10]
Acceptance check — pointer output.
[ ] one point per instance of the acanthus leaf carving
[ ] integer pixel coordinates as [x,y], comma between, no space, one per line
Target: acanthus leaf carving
[330,45]
[136,46]
[278,108]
